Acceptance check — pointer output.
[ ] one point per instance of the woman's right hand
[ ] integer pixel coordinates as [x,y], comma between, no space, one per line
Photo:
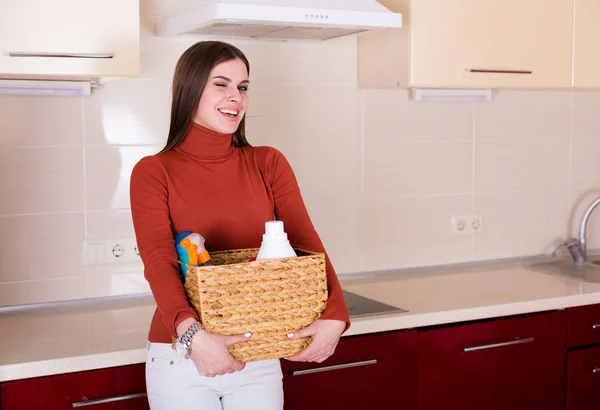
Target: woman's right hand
[209,353]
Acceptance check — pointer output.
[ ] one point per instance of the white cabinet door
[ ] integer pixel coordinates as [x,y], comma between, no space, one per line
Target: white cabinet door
[69,38]
[586,44]
[491,43]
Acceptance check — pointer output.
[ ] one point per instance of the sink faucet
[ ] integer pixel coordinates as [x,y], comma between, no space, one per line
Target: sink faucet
[578,248]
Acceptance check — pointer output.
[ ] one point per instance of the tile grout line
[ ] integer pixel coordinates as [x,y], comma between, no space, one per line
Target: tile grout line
[362,180]
[84,173]
[473,168]
[571,137]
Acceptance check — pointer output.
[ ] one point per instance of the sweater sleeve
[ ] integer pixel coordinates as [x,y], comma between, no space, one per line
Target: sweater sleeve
[290,208]
[155,241]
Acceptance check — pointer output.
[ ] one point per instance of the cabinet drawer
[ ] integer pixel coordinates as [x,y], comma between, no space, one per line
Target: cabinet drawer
[583,325]
[125,385]
[583,379]
[508,363]
[376,371]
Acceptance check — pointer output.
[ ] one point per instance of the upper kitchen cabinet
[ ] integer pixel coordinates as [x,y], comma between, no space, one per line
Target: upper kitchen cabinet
[69,38]
[586,70]
[472,44]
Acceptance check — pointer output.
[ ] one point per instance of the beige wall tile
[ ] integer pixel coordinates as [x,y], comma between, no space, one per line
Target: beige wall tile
[108,171]
[508,166]
[524,115]
[405,169]
[586,121]
[585,163]
[318,134]
[109,224]
[513,225]
[414,231]
[18,293]
[39,247]
[338,223]
[21,228]
[41,258]
[35,179]
[390,116]
[40,121]
[128,112]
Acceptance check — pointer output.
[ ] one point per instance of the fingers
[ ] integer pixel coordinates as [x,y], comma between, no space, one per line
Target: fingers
[237,366]
[304,355]
[315,352]
[299,334]
[230,340]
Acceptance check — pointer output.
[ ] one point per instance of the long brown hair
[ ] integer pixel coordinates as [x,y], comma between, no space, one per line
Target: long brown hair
[191,75]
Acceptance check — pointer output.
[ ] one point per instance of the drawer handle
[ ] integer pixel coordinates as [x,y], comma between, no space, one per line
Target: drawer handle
[500,344]
[596,326]
[108,400]
[59,55]
[477,70]
[336,367]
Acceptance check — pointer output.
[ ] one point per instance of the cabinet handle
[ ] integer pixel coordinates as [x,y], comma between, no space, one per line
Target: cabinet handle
[336,367]
[108,400]
[478,70]
[596,326]
[596,370]
[59,55]
[500,344]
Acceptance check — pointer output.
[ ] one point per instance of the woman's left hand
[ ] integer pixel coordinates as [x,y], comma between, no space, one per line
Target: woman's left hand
[326,335]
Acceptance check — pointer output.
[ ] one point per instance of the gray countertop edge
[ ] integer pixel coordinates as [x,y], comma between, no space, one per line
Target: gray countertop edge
[129,300]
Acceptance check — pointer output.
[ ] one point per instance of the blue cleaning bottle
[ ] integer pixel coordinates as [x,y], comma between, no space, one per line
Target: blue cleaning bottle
[191,251]
[182,254]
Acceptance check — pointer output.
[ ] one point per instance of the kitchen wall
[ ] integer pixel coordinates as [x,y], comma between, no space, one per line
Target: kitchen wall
[381,175]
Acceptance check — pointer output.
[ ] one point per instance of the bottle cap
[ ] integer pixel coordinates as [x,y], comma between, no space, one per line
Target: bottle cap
[274,227]
[274,232]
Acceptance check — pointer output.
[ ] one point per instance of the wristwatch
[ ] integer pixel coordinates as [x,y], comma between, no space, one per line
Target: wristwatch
[183,344]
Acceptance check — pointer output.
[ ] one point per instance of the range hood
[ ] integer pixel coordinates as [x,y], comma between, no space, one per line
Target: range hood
[277,19]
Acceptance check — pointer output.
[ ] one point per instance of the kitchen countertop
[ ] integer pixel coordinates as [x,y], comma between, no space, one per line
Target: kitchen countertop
[61,340]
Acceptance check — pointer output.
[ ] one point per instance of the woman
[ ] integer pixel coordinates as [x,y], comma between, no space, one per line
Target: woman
[208,179]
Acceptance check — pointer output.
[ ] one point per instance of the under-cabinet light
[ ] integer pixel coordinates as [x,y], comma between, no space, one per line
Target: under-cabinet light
[44,87]
[429,94]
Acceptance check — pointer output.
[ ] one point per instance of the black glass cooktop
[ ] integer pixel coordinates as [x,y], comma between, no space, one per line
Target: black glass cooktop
[360,306]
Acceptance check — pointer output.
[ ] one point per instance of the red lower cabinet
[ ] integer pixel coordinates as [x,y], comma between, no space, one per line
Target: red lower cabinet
[377,371]
[510,363]
[583,379]
[117,388]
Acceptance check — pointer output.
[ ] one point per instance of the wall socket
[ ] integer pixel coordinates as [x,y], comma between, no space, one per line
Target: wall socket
[110,251]
[466,224]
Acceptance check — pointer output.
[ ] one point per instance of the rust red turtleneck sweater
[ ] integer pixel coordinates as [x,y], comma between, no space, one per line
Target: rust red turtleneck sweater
[226,194]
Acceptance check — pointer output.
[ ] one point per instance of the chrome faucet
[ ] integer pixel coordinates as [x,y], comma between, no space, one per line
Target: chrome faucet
[578,248]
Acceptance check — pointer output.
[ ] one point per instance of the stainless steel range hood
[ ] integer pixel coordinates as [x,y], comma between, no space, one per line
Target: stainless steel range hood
[277,19]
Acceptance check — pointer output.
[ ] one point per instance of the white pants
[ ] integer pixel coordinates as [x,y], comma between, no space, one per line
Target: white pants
[173,382]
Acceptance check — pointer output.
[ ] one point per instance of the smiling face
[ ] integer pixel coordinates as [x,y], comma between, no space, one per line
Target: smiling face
[224,100]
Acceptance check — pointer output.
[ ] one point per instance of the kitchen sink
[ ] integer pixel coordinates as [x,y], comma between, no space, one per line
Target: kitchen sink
[588,272]
[360,306]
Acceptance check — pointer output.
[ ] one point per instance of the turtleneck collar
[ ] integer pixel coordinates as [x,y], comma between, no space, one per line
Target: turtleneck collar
[206,144]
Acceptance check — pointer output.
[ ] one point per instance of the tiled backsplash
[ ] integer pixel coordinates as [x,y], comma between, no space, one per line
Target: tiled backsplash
[381,175]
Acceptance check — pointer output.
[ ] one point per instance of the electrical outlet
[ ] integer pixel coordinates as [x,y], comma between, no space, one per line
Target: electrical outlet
[111,251]
[466,224]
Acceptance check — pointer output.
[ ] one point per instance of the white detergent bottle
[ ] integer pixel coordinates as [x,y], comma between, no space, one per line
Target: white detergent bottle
[275,243]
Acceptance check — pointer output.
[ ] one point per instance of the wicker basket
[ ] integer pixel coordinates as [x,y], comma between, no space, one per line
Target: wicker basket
[269,298]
